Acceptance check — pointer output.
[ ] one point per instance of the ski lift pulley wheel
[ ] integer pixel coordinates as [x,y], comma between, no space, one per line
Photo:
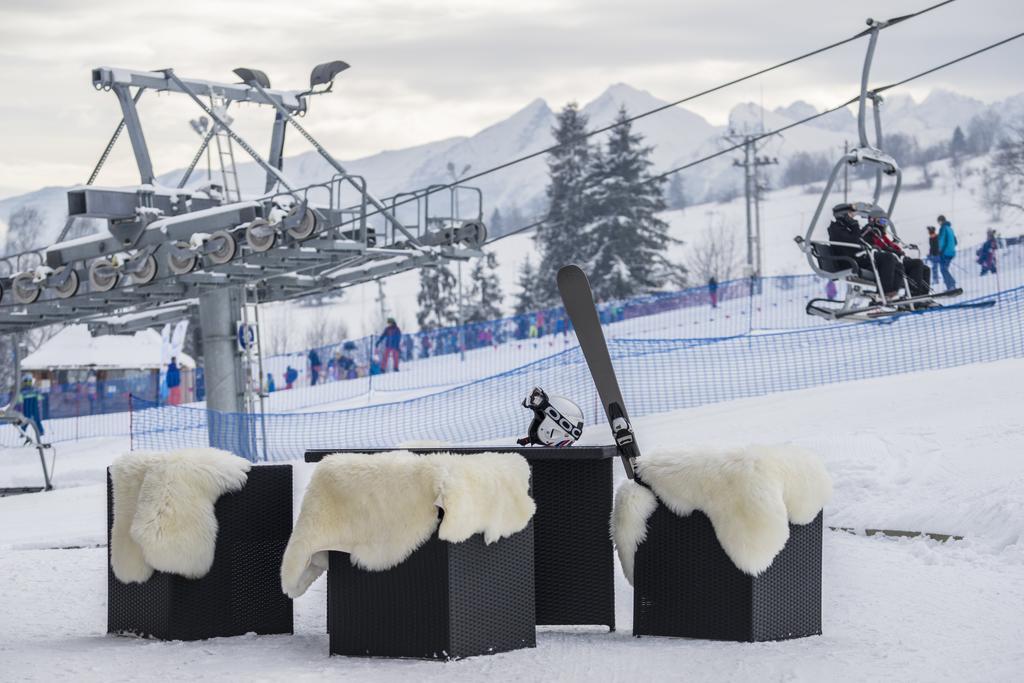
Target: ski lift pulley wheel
[306,227]
[260,236]
[182,264]
[225,247]
[147,273]
[474,233]
[25,291]
[69,287]
[102,276]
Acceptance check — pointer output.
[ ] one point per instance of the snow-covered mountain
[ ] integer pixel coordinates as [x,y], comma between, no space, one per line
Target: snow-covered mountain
[678,136]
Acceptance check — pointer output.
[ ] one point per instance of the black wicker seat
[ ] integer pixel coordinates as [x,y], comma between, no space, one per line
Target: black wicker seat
[446,601]
[685,584]
[242,591]
[573,554]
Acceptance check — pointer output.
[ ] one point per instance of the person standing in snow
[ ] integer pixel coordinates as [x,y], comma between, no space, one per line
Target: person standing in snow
[173,379]
[271,385]
[27,403]
[934,255]
[947,250]
[392,339]
[830,289]
[290,375]
[314,367]
[987,254]
[713,291]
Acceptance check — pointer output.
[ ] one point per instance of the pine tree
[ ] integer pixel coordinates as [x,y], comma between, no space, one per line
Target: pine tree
[560,238]
[676,193]
[436,298]
[957,152]
[629,238]
[526,299]
[496,226]
[485,295]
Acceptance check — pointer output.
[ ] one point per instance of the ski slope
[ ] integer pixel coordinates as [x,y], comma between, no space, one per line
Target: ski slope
[935,451]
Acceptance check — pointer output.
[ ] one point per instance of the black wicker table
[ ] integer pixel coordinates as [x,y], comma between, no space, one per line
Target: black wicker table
[573,555]
[242,591]
[685,585]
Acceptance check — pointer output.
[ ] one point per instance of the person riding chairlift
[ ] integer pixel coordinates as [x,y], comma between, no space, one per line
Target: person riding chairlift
[889,260]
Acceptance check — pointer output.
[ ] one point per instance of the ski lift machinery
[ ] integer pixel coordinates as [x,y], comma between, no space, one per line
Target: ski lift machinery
[168,244]
[865,296]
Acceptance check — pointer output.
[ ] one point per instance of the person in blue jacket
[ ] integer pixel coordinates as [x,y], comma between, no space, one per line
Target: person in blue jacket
[947,251]
[27,402]
[392,338]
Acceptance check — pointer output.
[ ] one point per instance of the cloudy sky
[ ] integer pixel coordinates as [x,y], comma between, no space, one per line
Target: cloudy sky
[425,70]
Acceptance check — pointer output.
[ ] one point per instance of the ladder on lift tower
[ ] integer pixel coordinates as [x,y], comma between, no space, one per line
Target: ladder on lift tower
[225,151]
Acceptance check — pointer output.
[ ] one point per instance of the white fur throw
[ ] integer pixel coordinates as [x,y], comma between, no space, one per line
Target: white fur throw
[163,510]
[750,495]
[380,507]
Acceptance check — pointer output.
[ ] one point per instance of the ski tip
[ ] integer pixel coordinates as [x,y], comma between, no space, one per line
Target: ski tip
[570,272]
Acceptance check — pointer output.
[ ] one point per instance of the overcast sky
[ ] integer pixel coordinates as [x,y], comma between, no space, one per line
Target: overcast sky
[423,71]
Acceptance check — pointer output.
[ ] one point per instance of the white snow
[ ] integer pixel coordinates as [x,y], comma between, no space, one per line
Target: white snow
[937,451]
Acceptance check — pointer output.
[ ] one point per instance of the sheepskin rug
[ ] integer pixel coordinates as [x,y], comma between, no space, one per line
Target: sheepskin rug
[750,495]
[380,507]
[163,510]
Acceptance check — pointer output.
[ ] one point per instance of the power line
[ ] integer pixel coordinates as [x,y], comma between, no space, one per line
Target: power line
[755,138]
[689,98]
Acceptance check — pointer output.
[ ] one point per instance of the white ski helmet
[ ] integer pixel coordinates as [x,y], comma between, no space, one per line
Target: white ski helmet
[557,421]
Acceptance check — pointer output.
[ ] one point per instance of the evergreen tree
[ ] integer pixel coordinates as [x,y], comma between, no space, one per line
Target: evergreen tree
[496,226]
[677,193]
[629,239]
[957,152]
[484,300]
[560,238]
[437,298]
[526,299]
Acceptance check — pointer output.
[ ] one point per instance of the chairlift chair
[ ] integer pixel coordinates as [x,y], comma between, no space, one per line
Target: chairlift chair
[865,297]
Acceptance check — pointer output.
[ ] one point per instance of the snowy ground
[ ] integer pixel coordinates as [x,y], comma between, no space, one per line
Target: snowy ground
[940,452]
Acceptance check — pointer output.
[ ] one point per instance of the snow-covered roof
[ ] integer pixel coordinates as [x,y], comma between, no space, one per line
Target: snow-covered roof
[74,347]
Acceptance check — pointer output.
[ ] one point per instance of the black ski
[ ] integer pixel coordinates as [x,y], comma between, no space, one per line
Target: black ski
[579,304]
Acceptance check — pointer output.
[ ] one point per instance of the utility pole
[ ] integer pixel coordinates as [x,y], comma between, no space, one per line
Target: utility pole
[751,193]
[846,173]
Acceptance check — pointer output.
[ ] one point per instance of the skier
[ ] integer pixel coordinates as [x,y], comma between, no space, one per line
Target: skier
[392,338]
[947,250]
[173,380]
[290,375]
[27,403]
[713,291]
[271,386]
[934,255]
[987,254]
[830,289]
[314,367]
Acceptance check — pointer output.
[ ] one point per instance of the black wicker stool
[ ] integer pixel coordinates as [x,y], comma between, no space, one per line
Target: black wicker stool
[445,601]
[573,555]
[685,585]
[242,591]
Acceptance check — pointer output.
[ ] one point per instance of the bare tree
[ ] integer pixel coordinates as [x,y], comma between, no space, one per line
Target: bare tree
[325,330]
[24,230]
[995,189]
[274,336]
[1008,167]
[714,254]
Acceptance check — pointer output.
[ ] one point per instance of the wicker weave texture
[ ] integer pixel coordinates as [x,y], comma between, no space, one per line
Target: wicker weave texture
[445,601]
[685,585]
[242,591]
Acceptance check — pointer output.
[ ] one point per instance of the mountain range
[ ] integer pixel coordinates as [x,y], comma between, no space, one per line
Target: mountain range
[677,135]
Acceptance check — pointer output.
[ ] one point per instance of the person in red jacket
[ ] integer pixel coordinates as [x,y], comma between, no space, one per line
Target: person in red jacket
[891,261]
